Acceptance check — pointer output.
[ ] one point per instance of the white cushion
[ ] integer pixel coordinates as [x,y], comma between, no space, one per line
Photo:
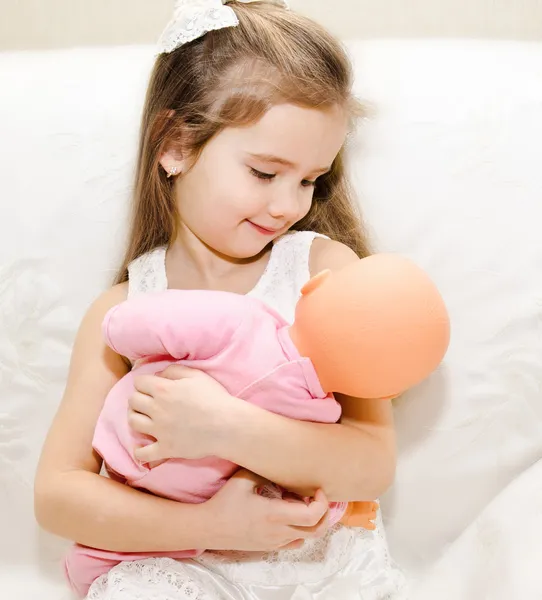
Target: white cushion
[449,174]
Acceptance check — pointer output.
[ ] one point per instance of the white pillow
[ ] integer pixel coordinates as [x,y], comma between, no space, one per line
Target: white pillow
[449,171]
[68,137]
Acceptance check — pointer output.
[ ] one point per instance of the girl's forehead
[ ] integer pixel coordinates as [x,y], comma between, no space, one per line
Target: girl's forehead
[293,133]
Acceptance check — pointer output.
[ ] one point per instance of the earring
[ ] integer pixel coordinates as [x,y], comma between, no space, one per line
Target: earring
[172,172]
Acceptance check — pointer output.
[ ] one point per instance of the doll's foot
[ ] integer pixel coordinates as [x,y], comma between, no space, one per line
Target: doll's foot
[361,514]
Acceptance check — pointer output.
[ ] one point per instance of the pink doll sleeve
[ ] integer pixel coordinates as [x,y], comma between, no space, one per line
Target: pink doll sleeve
[183,324]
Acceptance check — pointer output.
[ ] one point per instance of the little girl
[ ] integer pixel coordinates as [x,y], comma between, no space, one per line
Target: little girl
[240,187]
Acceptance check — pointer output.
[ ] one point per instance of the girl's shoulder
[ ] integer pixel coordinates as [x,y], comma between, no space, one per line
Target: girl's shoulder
[111,297]
[303,254]
[329,254]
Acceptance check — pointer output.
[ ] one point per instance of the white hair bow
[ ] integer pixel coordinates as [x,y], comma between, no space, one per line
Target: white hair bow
[194,18]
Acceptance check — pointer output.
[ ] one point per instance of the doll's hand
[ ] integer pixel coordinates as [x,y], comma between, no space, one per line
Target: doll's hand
[361,514]
[182,409]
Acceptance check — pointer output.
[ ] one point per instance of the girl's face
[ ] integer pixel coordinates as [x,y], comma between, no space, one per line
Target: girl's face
[251,184]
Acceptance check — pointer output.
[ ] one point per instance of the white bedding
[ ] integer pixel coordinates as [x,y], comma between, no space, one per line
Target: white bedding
[449,173]
[499,556]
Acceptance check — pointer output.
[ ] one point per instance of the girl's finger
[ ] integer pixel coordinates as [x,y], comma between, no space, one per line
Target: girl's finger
[141,403]
[175,372]
[295,545]
[140,423]
[146,384]
[298,514]
[148,454]
[317,531]
[250,481]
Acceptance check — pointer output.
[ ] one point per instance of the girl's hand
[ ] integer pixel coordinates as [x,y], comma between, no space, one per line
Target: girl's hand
[243,520]
[182,409]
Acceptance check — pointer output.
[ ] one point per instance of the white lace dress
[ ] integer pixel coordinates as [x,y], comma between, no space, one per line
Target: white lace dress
[346,564]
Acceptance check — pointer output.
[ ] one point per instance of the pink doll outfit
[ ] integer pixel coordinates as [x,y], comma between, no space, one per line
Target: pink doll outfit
[237,340]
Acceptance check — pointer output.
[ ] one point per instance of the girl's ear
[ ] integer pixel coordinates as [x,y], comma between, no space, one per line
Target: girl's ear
[172,159]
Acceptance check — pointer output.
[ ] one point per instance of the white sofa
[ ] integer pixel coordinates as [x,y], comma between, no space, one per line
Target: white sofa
[449,171]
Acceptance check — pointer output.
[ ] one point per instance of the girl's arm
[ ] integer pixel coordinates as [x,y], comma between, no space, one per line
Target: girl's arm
[350,461]
[73,501]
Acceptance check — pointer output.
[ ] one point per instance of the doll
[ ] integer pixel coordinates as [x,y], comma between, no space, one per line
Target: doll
[370,330]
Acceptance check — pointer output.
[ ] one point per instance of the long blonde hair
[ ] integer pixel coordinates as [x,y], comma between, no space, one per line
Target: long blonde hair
[232,77]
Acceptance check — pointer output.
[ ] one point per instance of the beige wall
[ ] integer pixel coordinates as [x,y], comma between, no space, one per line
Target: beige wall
[26,24]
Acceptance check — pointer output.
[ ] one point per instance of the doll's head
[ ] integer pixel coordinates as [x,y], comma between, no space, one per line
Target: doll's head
[373,329]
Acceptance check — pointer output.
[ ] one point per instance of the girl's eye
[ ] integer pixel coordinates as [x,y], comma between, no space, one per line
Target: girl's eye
[270,176]
[264,176]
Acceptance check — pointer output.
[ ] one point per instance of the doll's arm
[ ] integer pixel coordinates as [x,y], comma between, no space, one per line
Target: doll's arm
[182,324]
